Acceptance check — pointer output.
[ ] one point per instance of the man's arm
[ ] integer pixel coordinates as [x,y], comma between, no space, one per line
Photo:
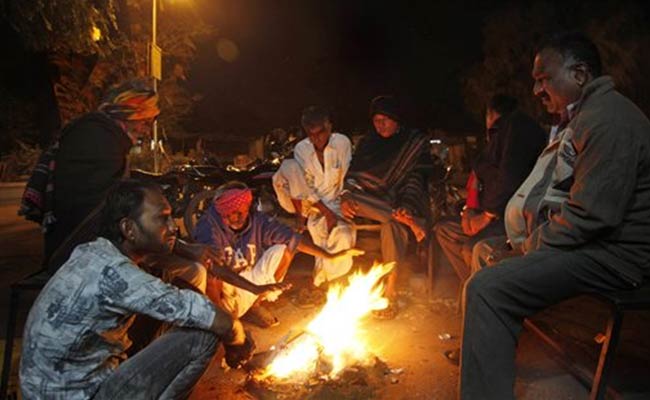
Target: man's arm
[414,187]
[518,145]
[229,276]
[308,247]
[214,261]
[604,181]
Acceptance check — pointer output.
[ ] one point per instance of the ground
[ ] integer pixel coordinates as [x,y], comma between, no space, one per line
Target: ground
[409,343]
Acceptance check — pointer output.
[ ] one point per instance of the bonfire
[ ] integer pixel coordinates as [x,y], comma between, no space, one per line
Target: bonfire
[334,339]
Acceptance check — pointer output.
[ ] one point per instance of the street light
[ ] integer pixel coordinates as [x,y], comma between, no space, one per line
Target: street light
[155,61]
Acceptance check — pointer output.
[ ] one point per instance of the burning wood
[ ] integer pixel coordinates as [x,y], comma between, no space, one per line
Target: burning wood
[331,351]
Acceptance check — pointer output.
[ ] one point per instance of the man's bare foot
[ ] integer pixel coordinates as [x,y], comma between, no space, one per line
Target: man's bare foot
[405,217]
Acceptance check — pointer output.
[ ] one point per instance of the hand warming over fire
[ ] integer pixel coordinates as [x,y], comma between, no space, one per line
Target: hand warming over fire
[353,252]
[272,291]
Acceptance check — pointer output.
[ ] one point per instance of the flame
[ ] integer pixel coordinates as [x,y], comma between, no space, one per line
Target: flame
[335,333]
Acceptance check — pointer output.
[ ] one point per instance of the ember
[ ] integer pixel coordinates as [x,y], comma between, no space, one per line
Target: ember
[334,339]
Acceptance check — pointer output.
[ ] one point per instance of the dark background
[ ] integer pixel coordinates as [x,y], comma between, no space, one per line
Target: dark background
[340,54]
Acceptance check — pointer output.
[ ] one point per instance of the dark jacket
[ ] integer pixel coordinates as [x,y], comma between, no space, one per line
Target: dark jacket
[90,160]
[395,169]
[598,199]
[516,141]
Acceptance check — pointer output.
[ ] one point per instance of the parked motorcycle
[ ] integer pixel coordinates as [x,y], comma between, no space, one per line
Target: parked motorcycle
[257,175]
[182,182]
[446,198]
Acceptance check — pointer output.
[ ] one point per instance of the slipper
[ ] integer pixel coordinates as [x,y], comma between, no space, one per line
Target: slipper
[453,356]
[389,312]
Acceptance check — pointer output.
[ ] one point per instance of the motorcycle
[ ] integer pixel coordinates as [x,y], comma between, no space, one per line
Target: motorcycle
[182,182]
[445,197]
[257,175]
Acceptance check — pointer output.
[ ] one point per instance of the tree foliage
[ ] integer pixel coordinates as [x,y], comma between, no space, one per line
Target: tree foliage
[64,26]
[87,67]
[511,35]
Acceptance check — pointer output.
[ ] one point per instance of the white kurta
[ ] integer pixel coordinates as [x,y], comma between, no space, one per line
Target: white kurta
[305,179]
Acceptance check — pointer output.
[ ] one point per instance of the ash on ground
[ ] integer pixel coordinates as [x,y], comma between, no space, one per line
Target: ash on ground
[353,383]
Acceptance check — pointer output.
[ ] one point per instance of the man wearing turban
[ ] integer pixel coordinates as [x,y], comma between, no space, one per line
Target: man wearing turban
[255,246]
[88,158]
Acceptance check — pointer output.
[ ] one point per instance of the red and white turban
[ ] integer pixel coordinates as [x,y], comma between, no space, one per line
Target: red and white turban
[232,200]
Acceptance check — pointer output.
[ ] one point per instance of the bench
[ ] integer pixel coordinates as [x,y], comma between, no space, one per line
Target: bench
[618,302]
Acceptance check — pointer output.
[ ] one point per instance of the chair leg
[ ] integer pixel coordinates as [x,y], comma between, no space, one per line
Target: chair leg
[9,341]
[607,354]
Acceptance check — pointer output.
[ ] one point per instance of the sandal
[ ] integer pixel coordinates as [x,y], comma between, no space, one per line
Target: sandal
[389,312]
[453,356]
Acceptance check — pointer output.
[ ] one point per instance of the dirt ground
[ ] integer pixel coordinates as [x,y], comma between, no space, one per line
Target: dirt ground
[408,345]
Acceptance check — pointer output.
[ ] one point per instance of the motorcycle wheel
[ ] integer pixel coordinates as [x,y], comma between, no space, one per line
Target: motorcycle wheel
[195,209]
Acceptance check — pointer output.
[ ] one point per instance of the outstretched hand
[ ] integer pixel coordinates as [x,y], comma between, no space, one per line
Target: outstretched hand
[353,252]
[272,291]
[202,253]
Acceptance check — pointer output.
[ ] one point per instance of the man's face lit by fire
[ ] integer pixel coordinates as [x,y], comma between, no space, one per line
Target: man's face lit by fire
[238,218]
[557,80]
[384,125]
[319,135]
[155,230]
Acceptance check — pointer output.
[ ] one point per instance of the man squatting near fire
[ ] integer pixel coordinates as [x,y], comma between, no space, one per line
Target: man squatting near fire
[253,245]
[75,339]
[309,186]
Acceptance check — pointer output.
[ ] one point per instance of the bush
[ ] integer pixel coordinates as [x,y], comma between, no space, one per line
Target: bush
[18,164]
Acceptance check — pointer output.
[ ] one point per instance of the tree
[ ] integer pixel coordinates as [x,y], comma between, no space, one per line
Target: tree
[95,44]
[511,35]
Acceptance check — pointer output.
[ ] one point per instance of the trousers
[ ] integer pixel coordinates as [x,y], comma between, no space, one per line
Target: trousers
[499,298]
[168,368]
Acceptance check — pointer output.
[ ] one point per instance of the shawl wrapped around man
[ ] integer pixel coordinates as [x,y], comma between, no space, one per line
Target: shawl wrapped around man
[72,176]
[395,169]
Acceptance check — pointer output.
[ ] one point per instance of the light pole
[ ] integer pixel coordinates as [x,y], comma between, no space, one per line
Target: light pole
[155,71]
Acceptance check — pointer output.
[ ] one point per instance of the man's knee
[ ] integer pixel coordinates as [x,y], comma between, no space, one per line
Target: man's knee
[202,342]
[394,229]
[196,275]
[484,283]
[441,230]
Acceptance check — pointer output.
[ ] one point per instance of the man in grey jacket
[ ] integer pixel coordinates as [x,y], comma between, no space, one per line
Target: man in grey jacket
[593,211]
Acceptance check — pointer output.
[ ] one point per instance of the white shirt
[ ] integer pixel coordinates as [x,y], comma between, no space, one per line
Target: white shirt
[325,182]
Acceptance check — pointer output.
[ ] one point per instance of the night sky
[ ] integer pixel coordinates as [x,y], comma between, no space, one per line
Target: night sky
[338,54]
[288,54]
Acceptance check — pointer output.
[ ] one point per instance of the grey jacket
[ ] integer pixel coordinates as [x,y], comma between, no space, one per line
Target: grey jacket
[590,188]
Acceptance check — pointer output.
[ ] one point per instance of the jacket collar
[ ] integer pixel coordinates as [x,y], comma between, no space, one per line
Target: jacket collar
[595,88]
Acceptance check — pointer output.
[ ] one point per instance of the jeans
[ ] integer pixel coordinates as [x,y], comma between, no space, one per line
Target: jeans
[168,368]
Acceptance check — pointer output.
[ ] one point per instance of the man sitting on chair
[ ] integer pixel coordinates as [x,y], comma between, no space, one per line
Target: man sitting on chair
[309,186]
